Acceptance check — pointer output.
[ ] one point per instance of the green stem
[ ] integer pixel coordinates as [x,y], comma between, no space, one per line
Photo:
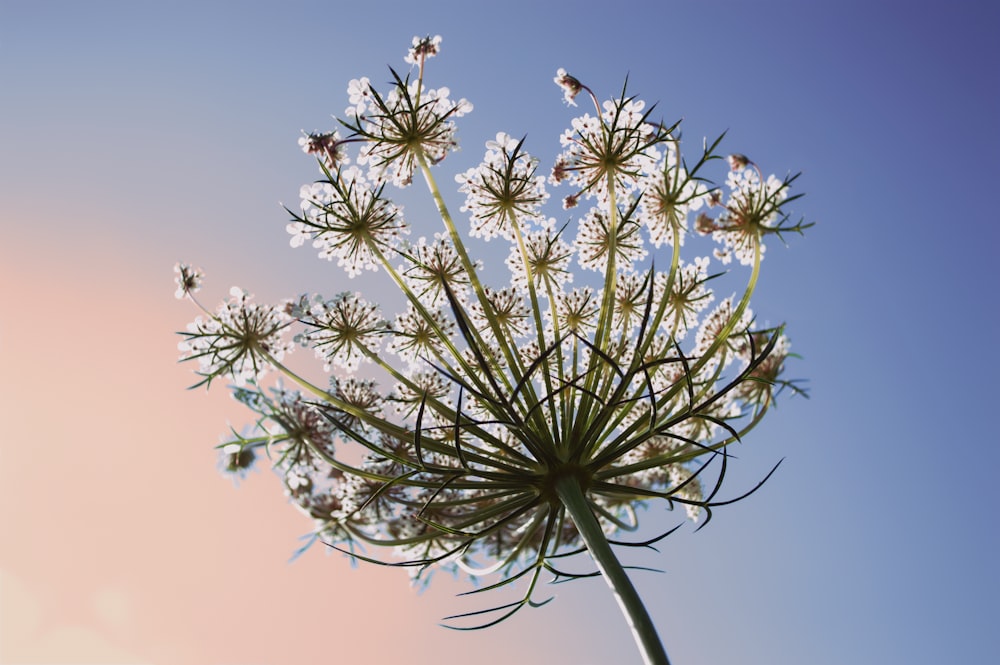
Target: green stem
[643,631]
[513,359]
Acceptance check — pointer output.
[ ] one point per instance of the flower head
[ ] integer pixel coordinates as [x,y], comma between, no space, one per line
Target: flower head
[547,259]
[670,192]
[504,306]
[571,87]
[328,147]
[188,280]
[236,459]
[344,331]
[738,162]
[530,414]
[423,48]
[752,211]
[434,267]
[240,341]
[598,245]
[503,190]
[348,219]
[577,310]
[409,125]
[419,336]
[611,151]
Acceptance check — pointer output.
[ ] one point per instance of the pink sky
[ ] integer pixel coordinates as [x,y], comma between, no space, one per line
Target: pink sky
[122,542]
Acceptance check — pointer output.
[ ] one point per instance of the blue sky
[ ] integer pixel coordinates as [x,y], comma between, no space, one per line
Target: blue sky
[136,134]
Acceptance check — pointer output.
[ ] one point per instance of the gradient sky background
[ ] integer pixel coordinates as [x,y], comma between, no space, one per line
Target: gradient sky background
[136,134]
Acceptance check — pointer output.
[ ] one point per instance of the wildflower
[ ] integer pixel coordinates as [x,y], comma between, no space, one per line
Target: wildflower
[423,48]
[328,147]
[577,310]
[751,207]
[631,296]
[188,280]
[610,151]
[689,295]
[484,360]
[506,307]
[348,219]
[344,331]
[421,387]
[240,341]
[237,459]
[548,258]
[753,210]
[571,87]
[297,436]
[409,124]
[719,335]
[596,240]
[502,190]
[670,193]
[527,420]
[415,338]
[738,162]
[434,265]
[361,395]
[767,364]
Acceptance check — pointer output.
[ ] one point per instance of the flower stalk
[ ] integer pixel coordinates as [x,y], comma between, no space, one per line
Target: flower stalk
[643,631]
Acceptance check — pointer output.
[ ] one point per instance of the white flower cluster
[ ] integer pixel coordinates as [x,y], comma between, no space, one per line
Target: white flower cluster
[347,219]
[410,123]
[610,150]
[502,190]
[241,340]
[669,195]
[627,381]
[753,206]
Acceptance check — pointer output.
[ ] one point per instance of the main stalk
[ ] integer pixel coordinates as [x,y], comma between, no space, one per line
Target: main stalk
[643,631]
